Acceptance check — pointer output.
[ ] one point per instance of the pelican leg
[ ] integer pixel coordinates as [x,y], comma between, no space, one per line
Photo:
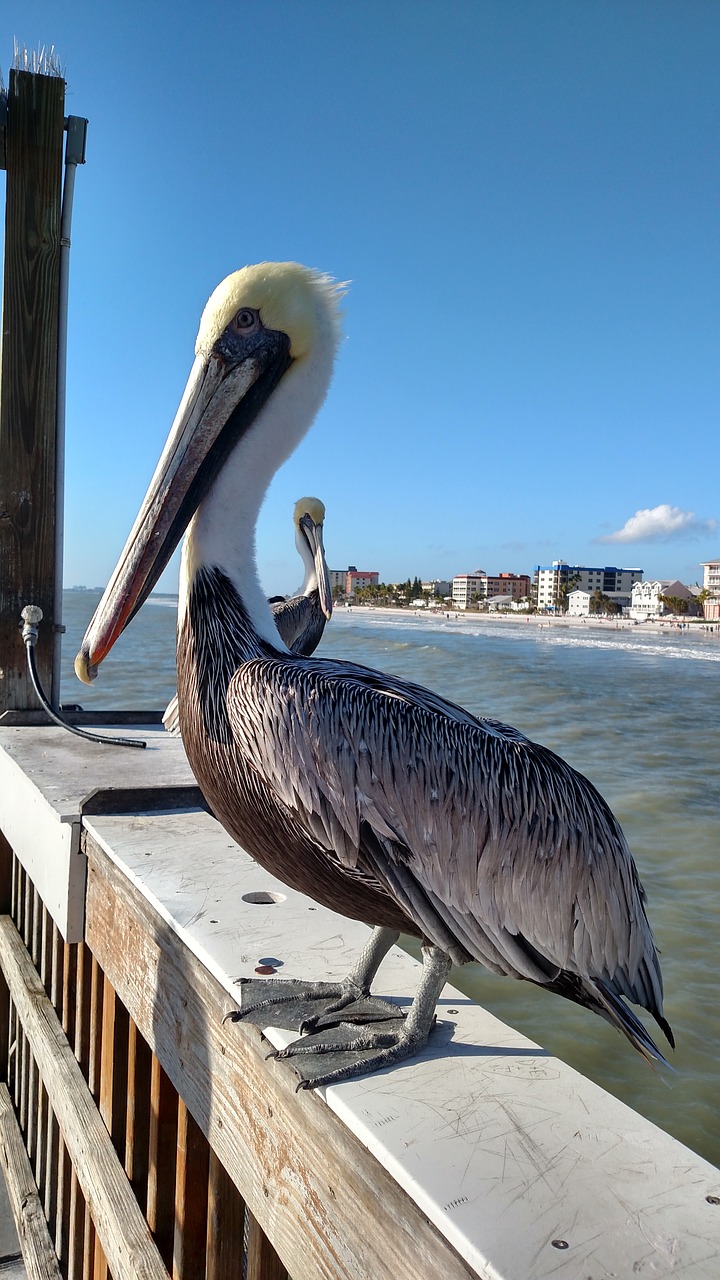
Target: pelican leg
[357,985]
[305,1006]
[343,1052]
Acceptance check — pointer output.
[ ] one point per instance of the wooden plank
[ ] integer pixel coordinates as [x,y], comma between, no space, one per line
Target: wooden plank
[131,1253]
[37,1248]
[89,1242]
[39,1155]
[225,1225]
[114,1067]
[162,1161]
[262,1262]
[16,872]
[25,1059]
[32,1109]
[191,1199]
[35,928]
[56,971]
[69,990]
[137,1134]
[20,897]
[248,1109]
[28,377]
[26,930]
[52,1161]
[76,1237]
[62,1210]
[46,948]
[82,1020]
[96,1017]
[100,1268]
[7,866]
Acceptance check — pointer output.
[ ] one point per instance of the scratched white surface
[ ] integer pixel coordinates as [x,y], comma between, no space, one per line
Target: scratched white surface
[45,775]
[505,1148]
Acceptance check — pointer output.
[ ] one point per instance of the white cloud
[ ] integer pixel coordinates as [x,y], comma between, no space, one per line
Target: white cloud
[661,524]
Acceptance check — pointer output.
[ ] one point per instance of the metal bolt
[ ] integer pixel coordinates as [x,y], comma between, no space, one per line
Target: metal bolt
[713,1199]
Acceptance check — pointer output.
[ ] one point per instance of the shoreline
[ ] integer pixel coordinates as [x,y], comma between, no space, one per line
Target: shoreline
[670,627]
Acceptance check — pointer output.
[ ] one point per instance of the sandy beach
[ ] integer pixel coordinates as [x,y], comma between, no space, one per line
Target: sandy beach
[666,626]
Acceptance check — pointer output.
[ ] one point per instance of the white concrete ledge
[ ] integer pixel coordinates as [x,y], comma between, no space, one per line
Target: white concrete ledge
[46,776]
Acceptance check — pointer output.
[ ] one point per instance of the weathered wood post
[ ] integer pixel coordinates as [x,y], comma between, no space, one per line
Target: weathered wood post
[28,374]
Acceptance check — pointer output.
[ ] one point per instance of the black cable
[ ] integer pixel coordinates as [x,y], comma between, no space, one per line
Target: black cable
[30,636]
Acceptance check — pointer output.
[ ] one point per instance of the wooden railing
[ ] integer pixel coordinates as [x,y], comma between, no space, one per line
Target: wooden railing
[59,1003]
[158,1144]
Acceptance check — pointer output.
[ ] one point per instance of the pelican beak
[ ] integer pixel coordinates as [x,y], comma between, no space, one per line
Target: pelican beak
[223,396]
[314,535]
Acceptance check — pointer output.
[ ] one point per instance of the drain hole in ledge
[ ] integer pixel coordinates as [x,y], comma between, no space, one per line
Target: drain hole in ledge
[261,897]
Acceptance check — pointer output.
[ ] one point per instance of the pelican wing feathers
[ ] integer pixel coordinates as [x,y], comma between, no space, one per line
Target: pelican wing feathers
[509,856]
[300,621]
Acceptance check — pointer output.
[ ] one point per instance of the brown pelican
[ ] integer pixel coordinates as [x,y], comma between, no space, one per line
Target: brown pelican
[301,617]
[374,796]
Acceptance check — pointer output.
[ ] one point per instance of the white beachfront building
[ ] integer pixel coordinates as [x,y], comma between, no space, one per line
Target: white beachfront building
[438,588]
[579,601]
[711,583]
[549,580]
[711,576]
[646,602]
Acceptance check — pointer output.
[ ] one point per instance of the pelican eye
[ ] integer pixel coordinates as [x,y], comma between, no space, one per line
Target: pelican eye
[246,318]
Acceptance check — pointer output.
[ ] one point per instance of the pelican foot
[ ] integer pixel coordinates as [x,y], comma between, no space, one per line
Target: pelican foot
[297,1005]
[345,1051]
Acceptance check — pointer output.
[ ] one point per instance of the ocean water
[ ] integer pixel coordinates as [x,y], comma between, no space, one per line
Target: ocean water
[639,714]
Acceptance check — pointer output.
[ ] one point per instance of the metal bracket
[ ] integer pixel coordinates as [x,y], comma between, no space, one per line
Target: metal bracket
[76,129]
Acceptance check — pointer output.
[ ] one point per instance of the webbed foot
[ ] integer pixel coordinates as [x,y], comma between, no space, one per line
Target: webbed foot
[345,1051]
[297,1005]
[334,1054]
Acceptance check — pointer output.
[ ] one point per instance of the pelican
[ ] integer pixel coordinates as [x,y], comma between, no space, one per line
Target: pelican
[300,618]
[374,796]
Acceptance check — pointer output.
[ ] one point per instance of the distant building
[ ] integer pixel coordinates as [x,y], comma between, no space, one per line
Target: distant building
[351,578]
[646,602]
[711,577]
[550,581]
[469,588]
[578,602]
[711,583]
[466,587]
[437,587]
[355,578]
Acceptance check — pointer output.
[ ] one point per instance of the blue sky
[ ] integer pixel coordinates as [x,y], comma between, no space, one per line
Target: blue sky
[524,195]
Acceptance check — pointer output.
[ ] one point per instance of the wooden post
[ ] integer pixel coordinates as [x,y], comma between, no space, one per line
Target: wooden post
[28,374]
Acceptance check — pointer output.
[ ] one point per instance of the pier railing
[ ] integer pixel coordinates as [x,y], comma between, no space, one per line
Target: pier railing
[137,1142]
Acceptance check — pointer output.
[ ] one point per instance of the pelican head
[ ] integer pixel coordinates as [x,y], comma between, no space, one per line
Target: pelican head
[308,518]
[264,350]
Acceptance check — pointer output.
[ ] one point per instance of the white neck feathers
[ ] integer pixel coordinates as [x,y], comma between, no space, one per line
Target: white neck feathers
[221,534]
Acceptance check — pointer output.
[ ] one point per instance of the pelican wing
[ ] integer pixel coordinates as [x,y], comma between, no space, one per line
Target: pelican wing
[301,622]
[496,847]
